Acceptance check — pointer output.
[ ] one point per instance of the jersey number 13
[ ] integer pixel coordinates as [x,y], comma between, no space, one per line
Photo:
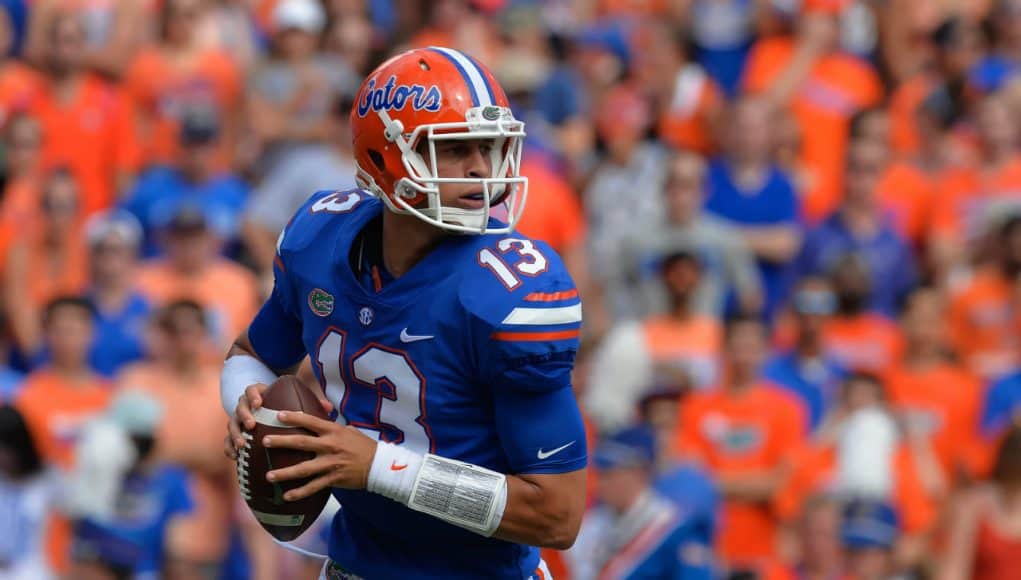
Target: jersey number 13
[398,385]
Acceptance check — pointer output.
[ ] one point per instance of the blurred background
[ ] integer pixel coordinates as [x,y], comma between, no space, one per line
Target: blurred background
[796,226]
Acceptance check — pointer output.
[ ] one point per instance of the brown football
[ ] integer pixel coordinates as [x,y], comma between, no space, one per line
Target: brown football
[285,520]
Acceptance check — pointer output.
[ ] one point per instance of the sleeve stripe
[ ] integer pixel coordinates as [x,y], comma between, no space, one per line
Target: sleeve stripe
[279,262]
[541,316]
[536,336]
[551,296]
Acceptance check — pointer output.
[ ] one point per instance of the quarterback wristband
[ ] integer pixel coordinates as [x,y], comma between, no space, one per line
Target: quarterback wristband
[393,471]
[239,372]
[459,493]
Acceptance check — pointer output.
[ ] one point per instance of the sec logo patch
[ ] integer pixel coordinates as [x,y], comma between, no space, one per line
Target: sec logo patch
[365,316]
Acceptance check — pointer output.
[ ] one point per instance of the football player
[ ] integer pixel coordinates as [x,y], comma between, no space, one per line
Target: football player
[444,342]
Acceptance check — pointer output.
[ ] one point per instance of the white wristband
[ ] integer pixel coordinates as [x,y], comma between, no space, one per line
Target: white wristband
[458,493]
[239,372]
[393,472]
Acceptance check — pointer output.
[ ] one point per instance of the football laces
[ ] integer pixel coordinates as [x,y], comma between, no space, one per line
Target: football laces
[242,466]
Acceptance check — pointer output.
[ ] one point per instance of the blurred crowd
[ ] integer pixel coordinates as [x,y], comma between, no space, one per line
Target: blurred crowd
[796,226]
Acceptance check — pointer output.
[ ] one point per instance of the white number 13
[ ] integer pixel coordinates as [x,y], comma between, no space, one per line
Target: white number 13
[532,263]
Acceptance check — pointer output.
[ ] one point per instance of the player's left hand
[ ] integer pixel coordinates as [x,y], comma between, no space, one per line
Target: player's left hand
[343,455]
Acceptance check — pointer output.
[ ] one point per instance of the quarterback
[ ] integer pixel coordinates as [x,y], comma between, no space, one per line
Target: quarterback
[442,342]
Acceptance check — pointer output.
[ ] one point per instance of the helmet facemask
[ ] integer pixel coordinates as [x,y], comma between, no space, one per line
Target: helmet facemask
[504,186]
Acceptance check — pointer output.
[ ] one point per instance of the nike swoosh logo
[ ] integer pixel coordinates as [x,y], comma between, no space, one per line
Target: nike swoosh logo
[405,337]
[545,454]
[395,467]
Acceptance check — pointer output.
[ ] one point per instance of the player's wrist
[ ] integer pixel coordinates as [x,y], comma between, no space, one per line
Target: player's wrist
[239,372]
[393,471]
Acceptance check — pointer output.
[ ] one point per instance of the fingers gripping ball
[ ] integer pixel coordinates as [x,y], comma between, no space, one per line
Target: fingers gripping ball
[284,520]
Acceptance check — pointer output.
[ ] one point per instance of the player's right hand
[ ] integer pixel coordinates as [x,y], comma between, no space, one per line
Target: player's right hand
[242,419]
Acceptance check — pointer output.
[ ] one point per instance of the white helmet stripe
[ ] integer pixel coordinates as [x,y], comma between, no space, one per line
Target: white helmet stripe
[473,74]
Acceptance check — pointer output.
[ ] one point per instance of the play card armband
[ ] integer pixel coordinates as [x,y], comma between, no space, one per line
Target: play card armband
[459,493]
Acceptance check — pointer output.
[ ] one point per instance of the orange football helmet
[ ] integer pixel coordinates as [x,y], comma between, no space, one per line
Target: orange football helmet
[427,95]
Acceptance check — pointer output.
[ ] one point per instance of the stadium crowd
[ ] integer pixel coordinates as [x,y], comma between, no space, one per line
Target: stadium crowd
[796,226]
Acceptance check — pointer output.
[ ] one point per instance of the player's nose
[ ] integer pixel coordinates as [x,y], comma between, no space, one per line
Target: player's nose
[478,164]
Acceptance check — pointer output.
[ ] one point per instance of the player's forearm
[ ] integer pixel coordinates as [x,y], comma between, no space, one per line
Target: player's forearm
[536,509]
[538,514]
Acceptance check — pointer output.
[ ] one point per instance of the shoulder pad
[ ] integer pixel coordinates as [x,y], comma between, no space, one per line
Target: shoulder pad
[521,283]
[323,209]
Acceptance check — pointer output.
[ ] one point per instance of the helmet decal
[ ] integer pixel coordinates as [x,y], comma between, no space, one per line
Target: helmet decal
[481,91]
[393,97]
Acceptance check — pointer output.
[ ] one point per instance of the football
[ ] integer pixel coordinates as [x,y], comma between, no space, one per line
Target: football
[284,520]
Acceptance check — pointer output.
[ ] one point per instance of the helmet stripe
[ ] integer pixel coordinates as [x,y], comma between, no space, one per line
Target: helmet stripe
[473,77]
[485,79]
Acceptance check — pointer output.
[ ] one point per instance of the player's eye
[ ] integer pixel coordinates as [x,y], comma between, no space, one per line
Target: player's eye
[486,148]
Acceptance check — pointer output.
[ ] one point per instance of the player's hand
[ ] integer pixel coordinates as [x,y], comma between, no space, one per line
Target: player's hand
[242,418]
[343,455]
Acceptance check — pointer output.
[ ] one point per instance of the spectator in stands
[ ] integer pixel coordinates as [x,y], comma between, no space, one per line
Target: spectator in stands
[742,432]
[230,27]
[870,532]
[905,190]
[856,337]
[194,270]
[86,121]
[184,380]
[354,39]
[292,94]
[931,391]
[635,356]
[861,453]
[612,541]
[806,370]
[194,180]
[727,267]
[123,499]
[745,187]
[113,31]
[859,226]
[813,543]
[984,537]
[28,492]
[58,399]
[687,102]
[298,175]
[983,323]
[176,74]
[622,198]
[19,205]
[46,260]
[114,240]
[793,72]
[970,197]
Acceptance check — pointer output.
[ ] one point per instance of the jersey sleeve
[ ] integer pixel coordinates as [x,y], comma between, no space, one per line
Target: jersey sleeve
[529,339]
[275,332]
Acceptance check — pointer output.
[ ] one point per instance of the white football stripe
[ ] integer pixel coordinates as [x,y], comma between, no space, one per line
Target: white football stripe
[474,74]
[542,316]
[268,417]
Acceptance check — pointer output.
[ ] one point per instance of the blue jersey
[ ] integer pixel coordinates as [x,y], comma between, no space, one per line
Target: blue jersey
[468,355]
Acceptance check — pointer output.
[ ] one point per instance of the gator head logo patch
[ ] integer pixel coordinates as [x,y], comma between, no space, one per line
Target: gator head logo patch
[491,113]
[321,302]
